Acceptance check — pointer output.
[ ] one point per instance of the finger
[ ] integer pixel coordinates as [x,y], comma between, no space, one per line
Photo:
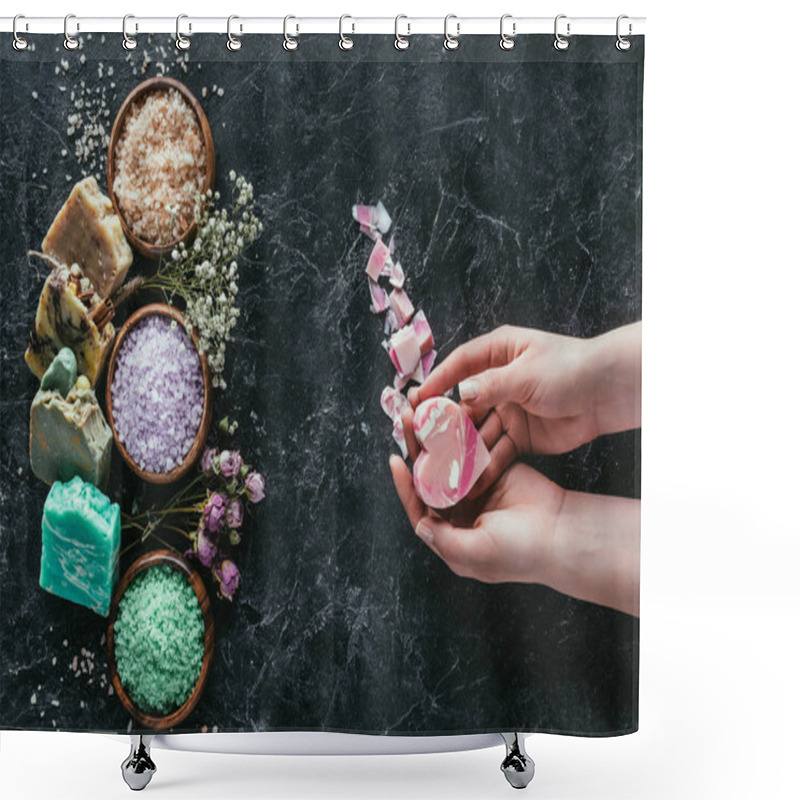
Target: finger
[412,445]
[404,484]
[463,549]
[491,429]
[502,455]
[490,387]
[480,353]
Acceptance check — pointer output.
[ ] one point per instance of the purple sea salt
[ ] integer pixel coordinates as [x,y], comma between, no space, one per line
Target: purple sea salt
[157,394]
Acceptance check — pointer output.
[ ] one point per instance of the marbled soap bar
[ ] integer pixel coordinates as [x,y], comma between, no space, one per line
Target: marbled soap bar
[65,320]
[86,231]
[80,545]
[69,435]
[453,454]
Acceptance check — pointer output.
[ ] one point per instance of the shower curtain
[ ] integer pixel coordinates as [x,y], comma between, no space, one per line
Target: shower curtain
[414,278]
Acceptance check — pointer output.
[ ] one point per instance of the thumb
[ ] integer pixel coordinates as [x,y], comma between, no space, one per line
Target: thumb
[496,385]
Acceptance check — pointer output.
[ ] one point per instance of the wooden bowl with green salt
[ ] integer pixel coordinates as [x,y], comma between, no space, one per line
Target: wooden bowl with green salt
[160,639]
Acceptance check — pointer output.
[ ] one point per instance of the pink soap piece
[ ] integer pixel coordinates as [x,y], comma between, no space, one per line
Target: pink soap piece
[416,375]
[373,233]
[377,260]
[393,402]
[402,306]
[379,297]
[423,331]
[404,350]
[390,324]
[399,437]
[453,454]
[400,381]
[427,363]
[396,276]
[372,218]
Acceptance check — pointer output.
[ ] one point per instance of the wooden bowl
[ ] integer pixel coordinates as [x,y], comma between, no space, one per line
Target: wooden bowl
[150,249]
[205,421]
[195,581]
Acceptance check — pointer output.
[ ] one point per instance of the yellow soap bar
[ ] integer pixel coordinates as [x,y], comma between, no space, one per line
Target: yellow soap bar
[64,320]
[86,231]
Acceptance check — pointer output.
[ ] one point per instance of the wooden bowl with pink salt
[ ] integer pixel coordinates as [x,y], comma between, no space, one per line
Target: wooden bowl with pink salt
[158,394]
[160,159]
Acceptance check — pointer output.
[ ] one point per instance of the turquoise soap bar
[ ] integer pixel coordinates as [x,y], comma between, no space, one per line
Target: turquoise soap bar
[80,545]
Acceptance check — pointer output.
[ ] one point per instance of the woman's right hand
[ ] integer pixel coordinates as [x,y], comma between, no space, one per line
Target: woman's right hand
[535,392]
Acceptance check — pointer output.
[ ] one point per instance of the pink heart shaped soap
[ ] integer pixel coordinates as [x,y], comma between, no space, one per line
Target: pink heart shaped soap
[453,454]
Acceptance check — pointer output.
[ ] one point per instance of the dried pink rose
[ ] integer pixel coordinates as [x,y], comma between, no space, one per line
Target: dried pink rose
[214,512]
[205,547]
[227,573]
[230,463]
[207,462]
[235,513]
[254,485]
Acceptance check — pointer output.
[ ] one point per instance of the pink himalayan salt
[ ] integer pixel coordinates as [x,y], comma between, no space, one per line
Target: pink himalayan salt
[157,394]
[453,454]
[402,306]
[160,163]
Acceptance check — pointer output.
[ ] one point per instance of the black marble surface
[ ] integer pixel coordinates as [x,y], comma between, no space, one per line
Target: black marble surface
[514,179]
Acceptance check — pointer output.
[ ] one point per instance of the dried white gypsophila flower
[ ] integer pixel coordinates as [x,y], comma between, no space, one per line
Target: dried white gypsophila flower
[206,275]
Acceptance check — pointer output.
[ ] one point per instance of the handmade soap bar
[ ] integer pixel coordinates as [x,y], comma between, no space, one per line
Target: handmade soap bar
[68,434]
[404,350]
[62,373]
[80,545]
[453,454]
[68,317]
[402,306]
[380,261]
[86,231]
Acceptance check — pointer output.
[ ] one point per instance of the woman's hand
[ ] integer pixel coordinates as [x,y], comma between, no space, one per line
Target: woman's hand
[504,535]
[535,392]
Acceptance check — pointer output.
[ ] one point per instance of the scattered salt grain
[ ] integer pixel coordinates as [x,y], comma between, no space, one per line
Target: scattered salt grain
[157,394]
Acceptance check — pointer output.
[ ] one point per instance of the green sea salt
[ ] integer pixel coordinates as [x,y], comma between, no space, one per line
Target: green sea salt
[159,640]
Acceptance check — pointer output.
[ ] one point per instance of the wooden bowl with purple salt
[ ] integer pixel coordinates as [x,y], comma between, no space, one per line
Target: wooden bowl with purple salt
[160,158]
[158,394]
[160,641]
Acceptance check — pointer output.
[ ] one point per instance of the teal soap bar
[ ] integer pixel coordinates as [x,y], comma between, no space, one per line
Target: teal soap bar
[62,373]
[80,545]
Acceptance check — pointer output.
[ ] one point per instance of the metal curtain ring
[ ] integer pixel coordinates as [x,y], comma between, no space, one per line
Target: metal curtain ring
[623,44]
[19,43]
[560,43]
[345,42]
[70,42]
[234,44]
[400,42]
[507,42]
[451,42]
[288,42]
[128,42]
[181,42]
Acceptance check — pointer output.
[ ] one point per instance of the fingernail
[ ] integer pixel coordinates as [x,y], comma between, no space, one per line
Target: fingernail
[424,531]
[468,389]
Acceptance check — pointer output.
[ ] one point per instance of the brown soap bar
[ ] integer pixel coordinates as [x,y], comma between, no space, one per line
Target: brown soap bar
[65,320]
[86,231]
